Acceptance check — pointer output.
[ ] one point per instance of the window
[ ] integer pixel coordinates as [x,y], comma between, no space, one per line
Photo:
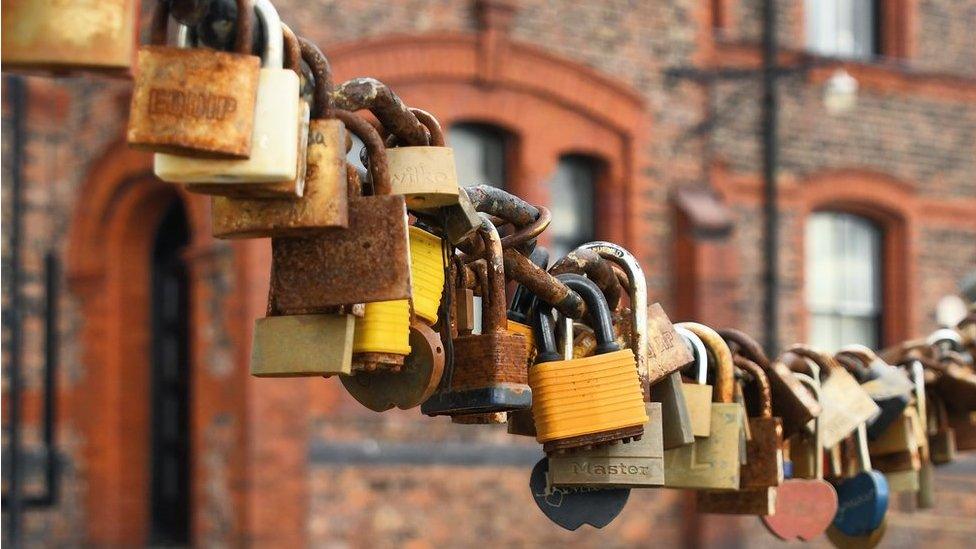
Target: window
[843,280]
[572,201]
[842,28]
[481,154]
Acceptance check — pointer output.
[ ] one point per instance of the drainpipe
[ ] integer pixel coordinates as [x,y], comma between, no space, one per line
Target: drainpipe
[770,106]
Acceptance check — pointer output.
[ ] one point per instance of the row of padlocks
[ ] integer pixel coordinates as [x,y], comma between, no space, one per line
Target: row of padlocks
[394,280]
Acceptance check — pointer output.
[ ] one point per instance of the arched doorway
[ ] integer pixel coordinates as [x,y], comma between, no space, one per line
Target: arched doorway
[169,458]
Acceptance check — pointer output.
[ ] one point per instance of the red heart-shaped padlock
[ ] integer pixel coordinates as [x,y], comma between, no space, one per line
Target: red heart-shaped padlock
[804,509]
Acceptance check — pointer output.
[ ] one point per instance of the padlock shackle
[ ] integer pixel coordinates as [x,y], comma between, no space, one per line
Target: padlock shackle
[378,168]
[545,286]
[637,292]
[498,202]
[747,346]
[243,37]
[524,238]
[724,367]
[597,311]
[944,335]
[274,56]
[523,299]
[493,316]
[814,388]
[322,74]
[584,261]
[292,50]
[762,384]
[544,329]
[826,362]
[698,350]
[433,126]
[386,106]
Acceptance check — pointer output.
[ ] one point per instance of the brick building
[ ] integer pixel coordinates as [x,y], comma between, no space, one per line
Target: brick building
[610,113]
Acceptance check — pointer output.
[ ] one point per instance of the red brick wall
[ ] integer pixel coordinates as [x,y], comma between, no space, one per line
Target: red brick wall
[271,466]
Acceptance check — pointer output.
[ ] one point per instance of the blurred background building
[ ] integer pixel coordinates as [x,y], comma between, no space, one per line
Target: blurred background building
[638,122]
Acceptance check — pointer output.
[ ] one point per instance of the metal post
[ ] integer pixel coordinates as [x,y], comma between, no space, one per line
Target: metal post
[770,106]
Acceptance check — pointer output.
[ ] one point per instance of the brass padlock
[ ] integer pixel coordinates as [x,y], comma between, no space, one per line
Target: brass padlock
[367,262]
[763,470]
[280,124]
[888,386]
[713,462]
[585,401]
[791,401]
[698,395]
[425,176]
[489,370]
[195,101]
[845,404]
[70,36]
[942,437]
[324,202]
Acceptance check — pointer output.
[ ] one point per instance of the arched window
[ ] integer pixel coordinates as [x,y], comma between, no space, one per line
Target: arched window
[843,280]
[842,28]
[481,152]
[572,191]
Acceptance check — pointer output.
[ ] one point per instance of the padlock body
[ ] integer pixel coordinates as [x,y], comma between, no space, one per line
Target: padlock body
[845,406]
[488,376]
[637,464]
[964,425]
[302,345]
[426,176]
[426,273]
[942,446]
[369,261]
[586,396]
[900,436]
[384,328]
[699,399]
[323,204]
[677,420]
[748,501]
[713,462]
[764,461]
[274,142]
[63,37]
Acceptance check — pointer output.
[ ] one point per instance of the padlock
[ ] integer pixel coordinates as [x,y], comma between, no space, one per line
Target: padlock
[460,220]
[666,353]
[862,495]
[425,176]
[324,202]
[588,401]
[67,37]
[942,437]
[713,462]
[957,384]
[698,395]
[383,389]
[845,404]
[318,344]
[763,471]
[896,453]
[964,426]
[637,464]
[272,168]
[791,402]
[571,508]
[367,262]
[382,336]
[488,373]
[674,410]
[805,507]
[195,101]
[885,384]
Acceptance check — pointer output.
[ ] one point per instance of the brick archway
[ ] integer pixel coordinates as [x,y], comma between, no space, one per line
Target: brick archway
[553,106]
[893,206]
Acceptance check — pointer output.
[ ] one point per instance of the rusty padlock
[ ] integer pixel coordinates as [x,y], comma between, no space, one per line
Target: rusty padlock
[942,437]
[67,37]
[791,401]
[488,373]
[195,101]
[367,262]
[324,202]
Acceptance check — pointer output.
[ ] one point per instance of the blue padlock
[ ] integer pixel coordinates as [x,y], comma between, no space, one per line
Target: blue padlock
[863,498]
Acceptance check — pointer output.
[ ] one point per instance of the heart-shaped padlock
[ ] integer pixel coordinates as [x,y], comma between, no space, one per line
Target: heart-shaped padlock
[571,508]
[862,498]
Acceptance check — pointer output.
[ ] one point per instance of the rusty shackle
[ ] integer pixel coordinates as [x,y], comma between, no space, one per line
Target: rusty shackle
[322,73]
[386,106]
[378,168]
